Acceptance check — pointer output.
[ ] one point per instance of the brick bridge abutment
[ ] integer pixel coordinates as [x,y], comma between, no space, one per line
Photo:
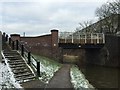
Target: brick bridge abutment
[47,45]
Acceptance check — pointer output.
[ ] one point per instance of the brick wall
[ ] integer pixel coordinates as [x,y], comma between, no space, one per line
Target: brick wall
[76,56]
[40,45]
[15,37]
[45,45]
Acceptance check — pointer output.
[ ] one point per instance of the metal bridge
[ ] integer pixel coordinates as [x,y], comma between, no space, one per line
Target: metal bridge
[81,40]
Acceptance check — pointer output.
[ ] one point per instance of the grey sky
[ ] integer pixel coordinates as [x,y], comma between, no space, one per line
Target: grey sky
[36,17]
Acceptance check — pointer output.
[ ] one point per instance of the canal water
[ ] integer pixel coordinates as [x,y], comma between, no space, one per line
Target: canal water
[102,77]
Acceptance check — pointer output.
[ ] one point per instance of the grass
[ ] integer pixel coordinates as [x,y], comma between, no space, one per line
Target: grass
[47,68]
[78,79]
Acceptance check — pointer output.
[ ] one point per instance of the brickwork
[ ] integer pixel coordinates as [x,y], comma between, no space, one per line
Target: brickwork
[15,37]
[39,45]
[76,56]
[54,43]
[45,45]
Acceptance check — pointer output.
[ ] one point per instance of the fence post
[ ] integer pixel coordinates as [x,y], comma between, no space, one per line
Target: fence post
[13,45]
[10,41]
[97,38]
[79,38]
[22,50]
[85,38]
[91,38]
[16,44]
[38,68]
[29,57]
[103,38]
[72,38]
[6,38]
[3,38]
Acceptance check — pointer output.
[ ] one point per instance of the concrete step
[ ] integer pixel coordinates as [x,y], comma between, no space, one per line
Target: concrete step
[10,52]
[23,79]
[11,56]
[20,71]
[16,63]
[19,68]
[16,60]
[24,74]
[21,65]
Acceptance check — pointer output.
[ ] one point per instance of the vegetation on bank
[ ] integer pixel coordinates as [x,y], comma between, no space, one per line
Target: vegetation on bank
[78,79]
[47,68]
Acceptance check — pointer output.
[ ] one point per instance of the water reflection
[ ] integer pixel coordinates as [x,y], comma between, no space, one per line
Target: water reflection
[102,77]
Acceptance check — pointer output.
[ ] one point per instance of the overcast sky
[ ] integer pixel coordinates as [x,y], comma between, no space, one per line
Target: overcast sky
[37,17]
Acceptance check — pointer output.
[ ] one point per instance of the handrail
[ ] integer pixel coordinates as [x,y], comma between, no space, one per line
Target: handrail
[17,45]
[32,60]
[91,38]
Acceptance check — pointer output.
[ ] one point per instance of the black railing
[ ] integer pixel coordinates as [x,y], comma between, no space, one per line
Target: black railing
[30,59]
[17,45]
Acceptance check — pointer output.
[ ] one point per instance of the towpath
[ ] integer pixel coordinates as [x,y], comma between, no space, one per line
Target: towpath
[61,79]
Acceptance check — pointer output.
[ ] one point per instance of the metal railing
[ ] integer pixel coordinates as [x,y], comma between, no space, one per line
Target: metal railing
[25,53]
[92,38]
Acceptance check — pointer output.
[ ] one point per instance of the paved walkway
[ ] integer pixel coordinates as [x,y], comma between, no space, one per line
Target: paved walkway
[33,84]
[61,78]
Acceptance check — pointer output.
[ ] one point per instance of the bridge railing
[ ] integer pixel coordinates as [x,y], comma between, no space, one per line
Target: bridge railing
[92,38]
[30,59]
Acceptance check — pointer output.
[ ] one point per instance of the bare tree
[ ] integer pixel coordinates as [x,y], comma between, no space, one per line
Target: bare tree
[108,9]
[108,19]
[102,11]
[108,12]
[84,26]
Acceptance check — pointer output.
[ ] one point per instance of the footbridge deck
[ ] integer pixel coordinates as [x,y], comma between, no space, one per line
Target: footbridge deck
[81,40]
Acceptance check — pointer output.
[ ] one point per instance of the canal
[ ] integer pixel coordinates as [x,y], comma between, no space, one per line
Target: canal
[102,77]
